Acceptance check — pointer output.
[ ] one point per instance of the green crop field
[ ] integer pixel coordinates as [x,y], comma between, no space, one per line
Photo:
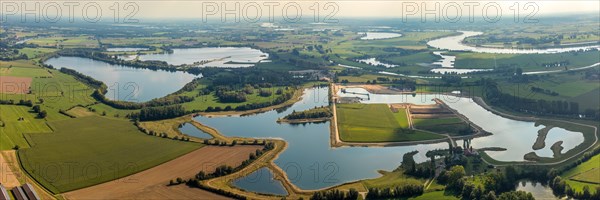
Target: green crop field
[12,129]
[25,72]
[60,91]
[35,52]
[91,150]
[588,171]
[375,123]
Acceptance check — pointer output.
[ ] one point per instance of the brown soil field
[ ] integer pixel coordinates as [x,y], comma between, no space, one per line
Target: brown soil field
[152,183]
[14,85]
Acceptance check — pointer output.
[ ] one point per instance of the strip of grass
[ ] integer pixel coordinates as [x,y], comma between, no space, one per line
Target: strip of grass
[91,150]
[375,123]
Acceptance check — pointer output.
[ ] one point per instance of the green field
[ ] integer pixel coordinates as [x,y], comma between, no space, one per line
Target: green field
[527,62]
[588,171]
[376,123]
[91,150]
[392,179]
[437,195]
[35,52]
[25,72]
[11,133]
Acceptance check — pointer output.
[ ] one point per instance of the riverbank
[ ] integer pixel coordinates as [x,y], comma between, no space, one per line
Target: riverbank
[304,121]
[572,126]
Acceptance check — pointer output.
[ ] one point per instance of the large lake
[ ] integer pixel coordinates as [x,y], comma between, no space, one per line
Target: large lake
[219,56]
[126,83]
[311,163]
[455,43]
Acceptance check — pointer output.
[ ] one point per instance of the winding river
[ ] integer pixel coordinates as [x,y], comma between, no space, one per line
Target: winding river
[455,43]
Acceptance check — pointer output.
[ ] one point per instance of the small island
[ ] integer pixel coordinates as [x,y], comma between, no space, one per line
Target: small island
[316,114]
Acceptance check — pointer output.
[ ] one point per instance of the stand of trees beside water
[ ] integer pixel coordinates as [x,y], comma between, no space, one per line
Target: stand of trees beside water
[496,97]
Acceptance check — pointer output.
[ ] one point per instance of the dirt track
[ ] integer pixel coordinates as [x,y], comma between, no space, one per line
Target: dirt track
[14,85]
[151,184]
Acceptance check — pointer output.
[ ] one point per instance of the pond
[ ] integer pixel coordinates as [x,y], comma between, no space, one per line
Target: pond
[379,35]
[191,130]
[126,83]
[539,191]
[261,181]
[455,43]
[229,57]
[125,49]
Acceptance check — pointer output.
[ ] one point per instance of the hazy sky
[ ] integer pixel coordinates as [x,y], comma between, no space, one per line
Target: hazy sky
[362,8]
[249,10]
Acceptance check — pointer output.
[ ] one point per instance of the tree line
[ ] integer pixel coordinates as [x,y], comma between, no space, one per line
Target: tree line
[314,113]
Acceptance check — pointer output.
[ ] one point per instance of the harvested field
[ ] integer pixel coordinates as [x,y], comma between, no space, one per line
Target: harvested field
[11,164]
[8,177]
[432,116]
[439,119]
[152,183]
[14,85]
[80,112]
[590,176]
[428,109]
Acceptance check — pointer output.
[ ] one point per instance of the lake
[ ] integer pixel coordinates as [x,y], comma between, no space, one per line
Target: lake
[229,57]
[261,181]
[379,35]
[126,83]
[455,43]
[311,163]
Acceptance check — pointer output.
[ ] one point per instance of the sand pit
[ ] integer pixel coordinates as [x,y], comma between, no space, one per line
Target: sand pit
[151,184]
[14,85]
